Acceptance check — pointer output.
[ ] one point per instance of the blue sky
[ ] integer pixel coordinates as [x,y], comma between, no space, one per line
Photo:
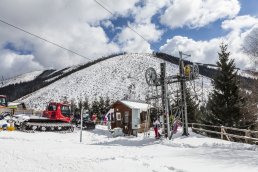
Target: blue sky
[194,27]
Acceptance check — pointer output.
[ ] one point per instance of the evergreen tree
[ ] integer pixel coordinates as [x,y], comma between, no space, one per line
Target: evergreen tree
[193,113]
[107,104]
[80,105]
[86,104]
[95,106]
[73,107]
[65,100]
[226,101]
[102,108]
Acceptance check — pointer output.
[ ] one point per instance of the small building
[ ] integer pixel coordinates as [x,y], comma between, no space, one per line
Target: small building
[16,105]
[122,114]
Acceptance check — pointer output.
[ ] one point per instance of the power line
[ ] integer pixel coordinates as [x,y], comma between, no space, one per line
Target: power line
[127,25]
[46,40]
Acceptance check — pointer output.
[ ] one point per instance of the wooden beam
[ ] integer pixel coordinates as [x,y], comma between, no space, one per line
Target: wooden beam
[231,135]
[230,128]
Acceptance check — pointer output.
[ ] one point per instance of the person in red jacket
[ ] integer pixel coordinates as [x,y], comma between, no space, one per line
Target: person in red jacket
[156,126]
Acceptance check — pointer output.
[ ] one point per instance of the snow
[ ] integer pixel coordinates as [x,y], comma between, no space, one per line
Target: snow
[63,152]
[20,78]
[116,78]
[134,105]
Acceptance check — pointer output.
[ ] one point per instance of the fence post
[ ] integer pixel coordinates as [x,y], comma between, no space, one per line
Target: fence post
[221,130]
[247,135]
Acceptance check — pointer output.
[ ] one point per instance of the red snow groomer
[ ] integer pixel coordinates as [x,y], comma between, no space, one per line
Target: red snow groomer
[3,102]
[58,112]
[56,118]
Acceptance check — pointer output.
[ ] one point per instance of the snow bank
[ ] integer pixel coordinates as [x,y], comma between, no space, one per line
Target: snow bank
[63,152]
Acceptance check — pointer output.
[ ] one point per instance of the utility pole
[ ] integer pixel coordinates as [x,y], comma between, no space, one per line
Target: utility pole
[81,125]
[183,95]
[164,90]
[202,88]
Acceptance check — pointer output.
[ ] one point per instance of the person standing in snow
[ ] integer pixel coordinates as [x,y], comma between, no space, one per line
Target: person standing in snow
[93,118]
[156,126]
[109,117]
[105,119]
[102,119]
[78,117]
[178,123]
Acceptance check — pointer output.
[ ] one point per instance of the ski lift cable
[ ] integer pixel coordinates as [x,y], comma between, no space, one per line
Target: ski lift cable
[45,40]
[127,25]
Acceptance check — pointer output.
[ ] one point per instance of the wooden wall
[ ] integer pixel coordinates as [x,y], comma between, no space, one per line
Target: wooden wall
[122,109]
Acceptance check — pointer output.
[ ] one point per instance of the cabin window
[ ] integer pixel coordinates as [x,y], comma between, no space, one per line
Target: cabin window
[118,116]
[52,107]
[126,117]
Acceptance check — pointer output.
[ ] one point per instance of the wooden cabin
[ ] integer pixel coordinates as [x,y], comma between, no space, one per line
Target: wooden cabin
[122,114]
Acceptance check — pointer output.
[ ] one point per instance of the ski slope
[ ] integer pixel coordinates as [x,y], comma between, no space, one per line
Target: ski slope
[118,77]
[44,152]
[20,78]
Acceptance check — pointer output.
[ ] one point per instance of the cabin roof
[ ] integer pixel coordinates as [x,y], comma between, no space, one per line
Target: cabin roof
[132,104]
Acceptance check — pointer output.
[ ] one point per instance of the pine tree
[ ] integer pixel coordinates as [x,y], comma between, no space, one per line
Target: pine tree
[193,113]
[107,103]
[65,100]
[95,106]
[73,107]
[86,104]
[226,101]
[102,109]
[80,105]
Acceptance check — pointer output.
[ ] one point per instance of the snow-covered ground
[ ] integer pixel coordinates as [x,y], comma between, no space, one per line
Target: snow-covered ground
[44,152]
[20,78]
[117,77]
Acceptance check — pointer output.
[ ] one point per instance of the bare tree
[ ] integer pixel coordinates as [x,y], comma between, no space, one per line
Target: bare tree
[250,45]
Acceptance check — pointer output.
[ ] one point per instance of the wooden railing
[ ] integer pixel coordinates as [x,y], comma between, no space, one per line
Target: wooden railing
[223,132]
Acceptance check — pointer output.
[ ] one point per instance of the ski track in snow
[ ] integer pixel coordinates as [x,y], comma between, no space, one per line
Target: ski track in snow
[112,78]
[40,152]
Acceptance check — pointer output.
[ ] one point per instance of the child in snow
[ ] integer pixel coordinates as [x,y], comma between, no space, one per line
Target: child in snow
[156,125]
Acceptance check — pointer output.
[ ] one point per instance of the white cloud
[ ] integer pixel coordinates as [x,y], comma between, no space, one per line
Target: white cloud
[75,25]
[206,51]
[107,23]
[201,51]
[198,13]
[151,7]
[71,24]
[14,64]
[131,42]
[240,22]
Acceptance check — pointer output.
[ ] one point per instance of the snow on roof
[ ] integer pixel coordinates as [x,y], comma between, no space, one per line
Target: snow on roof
[110,111]
[14,103]
[135,105]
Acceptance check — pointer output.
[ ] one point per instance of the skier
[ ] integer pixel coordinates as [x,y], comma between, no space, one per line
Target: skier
[156,125]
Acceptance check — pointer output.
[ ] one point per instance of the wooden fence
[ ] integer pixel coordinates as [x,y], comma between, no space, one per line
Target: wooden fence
[223,132]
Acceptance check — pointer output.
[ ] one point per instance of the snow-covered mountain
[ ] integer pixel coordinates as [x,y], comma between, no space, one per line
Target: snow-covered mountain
[239,72]
[118,77]
[21,78]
